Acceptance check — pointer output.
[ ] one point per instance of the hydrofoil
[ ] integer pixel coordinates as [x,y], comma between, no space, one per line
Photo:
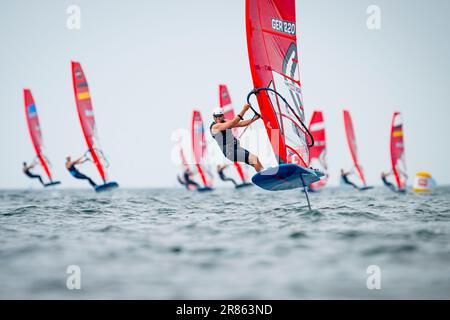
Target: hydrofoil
[53,183]
[287,177]
[106,187]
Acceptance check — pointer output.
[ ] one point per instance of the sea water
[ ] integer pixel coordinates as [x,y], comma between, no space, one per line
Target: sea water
[176,244]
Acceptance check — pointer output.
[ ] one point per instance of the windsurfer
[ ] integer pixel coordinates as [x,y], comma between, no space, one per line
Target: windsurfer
[222,176]
[70,165]
[344,177]
[188,180]
[221,130]
[384,176]
[26,170]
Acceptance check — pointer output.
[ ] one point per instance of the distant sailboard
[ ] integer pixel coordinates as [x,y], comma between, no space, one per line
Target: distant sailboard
[199,149]
[351,140]
[318,152]
[34,130]
[397,148]
[272,49]
[228,112]
[87,121]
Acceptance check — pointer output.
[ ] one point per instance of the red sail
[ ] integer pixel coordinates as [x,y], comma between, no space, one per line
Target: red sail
[318,152]
[398,151]
[274,63]
[199,144]
[228,112]
[34,129]
[86,115]
[351,139]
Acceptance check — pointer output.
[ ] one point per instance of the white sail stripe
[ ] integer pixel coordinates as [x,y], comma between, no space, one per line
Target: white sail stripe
[317,126]
[227,108]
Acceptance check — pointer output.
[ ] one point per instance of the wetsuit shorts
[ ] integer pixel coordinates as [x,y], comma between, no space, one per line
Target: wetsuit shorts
[238,154]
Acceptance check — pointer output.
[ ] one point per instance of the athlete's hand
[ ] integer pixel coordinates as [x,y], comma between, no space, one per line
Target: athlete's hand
[246,107]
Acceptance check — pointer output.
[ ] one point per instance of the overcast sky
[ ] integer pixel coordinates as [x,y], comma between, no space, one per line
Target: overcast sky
[149,63]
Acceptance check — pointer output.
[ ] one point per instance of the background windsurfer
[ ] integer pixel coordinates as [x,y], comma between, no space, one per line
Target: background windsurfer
[384,176]
[70,165]
[26,170]
[222,176]
[344,177]
[188,180]
[221,131]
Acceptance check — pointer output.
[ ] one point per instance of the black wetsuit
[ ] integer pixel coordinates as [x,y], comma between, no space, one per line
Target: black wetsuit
[388,184]
[224,178]
[230,146]
[78,175]
[188,181]
[345,179]
[33,176]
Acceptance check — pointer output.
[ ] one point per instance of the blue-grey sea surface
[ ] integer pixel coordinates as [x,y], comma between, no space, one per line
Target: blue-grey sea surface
[227,244]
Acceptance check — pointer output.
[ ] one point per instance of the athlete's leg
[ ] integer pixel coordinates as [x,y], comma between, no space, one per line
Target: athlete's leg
[83,177]
[242,155]
[346,181]
[192,183]
[254,162]
[391,186]
[230,179]
[353,185]
[91,182]
[35,176]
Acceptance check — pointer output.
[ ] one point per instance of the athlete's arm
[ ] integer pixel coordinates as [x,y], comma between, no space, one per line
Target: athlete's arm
[80,160]
[245,123]
[232,123]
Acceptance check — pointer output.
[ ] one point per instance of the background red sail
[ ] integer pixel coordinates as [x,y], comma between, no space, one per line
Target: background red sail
[317,153]
[199,144]
[86,115]
[351,139]
[34,129]
[398,151]
[274,63]
[228,112]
